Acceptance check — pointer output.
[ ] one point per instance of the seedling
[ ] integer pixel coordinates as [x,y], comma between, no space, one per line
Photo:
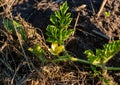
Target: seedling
[58,32]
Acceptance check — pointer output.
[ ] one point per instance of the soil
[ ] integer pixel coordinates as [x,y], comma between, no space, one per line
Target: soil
[92,32]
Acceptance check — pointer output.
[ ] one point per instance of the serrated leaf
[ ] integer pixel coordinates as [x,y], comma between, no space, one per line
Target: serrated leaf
[52,32]
[67,33]
[91,57]
[51,39]
[57,14]
[61,20]
[104,55]
[64,8]
[67,22]
[53,19]
[68,15]
[111,49]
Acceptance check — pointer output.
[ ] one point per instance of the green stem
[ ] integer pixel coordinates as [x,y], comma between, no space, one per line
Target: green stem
[84,61]
[113,68]
[61,42]
[107,68]
[104,69]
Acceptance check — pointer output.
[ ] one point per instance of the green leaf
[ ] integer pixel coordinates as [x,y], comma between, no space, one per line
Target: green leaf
[67,22]
[11,25]
[68,15]
[8,25]
[19,29]
[57,14]
[39,52]
[36,49]
[23,33]
[111,49]
[53,19]
[93,68]
[64,8]
[51,39]
[104,55]
[91,57]
[16,24]
[51,31]
[67,33]
[61,20]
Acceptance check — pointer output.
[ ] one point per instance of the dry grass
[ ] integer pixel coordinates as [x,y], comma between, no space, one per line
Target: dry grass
[20,67]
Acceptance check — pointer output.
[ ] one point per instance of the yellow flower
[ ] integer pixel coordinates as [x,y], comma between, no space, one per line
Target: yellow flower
[55,49]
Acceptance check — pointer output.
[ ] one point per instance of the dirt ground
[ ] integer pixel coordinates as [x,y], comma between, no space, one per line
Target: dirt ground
[91,32]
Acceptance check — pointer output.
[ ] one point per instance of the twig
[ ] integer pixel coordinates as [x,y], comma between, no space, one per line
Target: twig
[86,33]
[9,5]
[101,8]
[20,42]
[5,63]
[15,73]
[78,9]
[100,34]
[92,7]
[76,22]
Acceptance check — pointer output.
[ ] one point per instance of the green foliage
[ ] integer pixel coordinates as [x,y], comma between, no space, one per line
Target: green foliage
[39,52]
[11,25]
[106,81]
[95,73]
[102,56]
[59,32]
[65,57]
[105,54]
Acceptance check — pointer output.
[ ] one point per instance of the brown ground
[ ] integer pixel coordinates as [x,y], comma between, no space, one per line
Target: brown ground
[91,33]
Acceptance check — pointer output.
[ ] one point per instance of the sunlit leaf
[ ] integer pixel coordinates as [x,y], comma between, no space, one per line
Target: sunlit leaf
[105,54]
[59,32]
[16,24]
[57,14]
[53,19]
[64,8]
[36,50]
